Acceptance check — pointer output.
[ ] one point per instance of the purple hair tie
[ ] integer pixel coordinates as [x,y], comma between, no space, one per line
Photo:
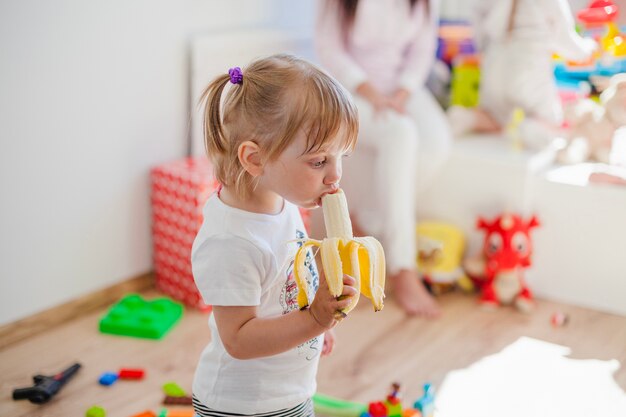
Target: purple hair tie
[236,76]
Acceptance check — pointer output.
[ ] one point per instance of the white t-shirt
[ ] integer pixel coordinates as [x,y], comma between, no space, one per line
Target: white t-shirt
[241,258]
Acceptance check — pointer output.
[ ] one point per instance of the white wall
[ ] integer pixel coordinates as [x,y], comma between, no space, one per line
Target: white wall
[92,94]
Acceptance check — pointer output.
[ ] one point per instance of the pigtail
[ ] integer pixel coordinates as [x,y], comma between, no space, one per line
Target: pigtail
[214,140]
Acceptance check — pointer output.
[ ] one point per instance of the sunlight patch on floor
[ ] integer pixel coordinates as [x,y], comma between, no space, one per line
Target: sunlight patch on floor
[532,378]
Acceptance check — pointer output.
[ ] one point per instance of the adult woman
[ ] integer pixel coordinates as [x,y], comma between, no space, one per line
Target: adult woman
[382,51]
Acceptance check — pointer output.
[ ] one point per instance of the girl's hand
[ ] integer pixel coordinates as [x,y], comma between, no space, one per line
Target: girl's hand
[378,101]
[329,342]
[326,309]
[398,100]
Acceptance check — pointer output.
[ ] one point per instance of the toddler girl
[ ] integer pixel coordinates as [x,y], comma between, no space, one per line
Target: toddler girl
[276,141]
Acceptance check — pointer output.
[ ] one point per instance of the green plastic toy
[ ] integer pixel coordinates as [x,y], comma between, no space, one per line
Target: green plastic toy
[334,407]
[95,411]
[172,389]
[134,316]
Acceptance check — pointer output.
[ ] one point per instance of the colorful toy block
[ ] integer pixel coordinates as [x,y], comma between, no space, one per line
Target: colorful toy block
[136,317]
[107,378]
[127,373]
[179,190]
[181,413]
[146,413]
[394,410]
[331,406]
[95,411]
[411,412]
[172,389]
[377,409]
[185,400]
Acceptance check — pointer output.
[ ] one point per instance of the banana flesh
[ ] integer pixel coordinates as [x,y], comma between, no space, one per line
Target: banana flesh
[362,258]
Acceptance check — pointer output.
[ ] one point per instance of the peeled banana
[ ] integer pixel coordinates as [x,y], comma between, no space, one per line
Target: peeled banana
[342,253]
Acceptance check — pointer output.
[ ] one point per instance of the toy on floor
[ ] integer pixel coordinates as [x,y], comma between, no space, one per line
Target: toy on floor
[440,253]
[390,407]
[45,387]
[187,412]
[172,389]
[109,378]
[334,407]
[559,319]
[134,316]
[426,403]
[506,252]
[395,395]
[146,413]
[170,400]
[131,373]
[95,411]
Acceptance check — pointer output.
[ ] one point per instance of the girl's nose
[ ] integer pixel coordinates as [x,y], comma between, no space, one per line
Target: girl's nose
[333,176]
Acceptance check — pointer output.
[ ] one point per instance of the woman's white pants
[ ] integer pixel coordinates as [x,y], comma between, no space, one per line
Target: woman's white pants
[396,157]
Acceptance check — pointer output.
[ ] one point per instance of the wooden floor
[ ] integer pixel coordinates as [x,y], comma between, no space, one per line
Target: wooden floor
[373,350]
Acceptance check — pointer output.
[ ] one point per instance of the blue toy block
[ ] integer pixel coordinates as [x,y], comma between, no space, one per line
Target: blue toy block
[134,316]
[107,378]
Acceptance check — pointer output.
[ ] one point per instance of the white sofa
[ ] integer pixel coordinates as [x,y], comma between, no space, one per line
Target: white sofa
[580,248]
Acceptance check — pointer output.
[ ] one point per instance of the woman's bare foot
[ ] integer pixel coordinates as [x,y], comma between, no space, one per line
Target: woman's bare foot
[410,293]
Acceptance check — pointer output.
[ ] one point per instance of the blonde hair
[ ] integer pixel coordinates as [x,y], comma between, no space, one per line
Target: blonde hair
[280,96]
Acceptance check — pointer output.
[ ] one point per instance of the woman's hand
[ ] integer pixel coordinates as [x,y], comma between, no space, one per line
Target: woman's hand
[326,309]
[399,99]
[378,101]
[329,342]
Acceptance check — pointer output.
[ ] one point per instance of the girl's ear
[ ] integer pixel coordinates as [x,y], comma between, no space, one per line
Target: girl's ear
[249,154]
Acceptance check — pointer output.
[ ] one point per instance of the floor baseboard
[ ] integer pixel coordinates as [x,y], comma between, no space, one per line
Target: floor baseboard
[30,326]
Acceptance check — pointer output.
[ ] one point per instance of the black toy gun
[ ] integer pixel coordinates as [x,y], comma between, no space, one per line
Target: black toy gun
[45,387]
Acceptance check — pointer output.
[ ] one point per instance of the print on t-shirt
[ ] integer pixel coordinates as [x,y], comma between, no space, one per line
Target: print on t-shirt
[289,293]
[289,296]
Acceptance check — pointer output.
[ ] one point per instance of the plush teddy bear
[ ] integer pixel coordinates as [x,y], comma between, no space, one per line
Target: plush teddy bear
[593,125]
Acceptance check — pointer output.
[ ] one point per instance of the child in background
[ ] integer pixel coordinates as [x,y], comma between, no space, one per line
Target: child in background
[276,142]
[517,39]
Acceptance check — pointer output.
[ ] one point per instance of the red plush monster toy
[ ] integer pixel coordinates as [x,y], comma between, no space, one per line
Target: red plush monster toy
[498,271]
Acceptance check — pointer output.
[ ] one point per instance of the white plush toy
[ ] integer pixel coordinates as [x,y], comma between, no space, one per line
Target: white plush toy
[593,126]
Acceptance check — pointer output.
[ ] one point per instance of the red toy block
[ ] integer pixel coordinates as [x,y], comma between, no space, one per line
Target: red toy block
[179,190]
[127,373]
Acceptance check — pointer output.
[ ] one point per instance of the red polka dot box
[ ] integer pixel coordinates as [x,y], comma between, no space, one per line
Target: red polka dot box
[179,190]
